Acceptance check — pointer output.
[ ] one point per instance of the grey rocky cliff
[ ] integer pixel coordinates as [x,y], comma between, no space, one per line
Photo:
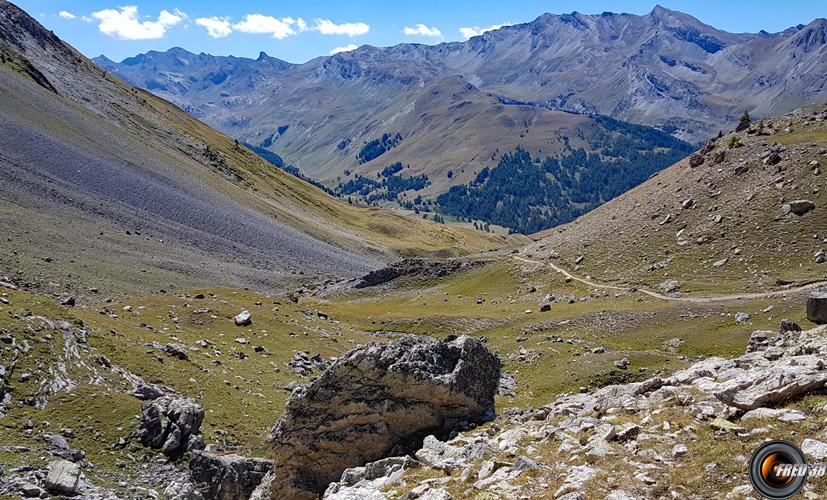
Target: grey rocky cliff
[376,401]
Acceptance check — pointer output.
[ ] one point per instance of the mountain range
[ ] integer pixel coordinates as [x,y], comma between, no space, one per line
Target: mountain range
[459,107]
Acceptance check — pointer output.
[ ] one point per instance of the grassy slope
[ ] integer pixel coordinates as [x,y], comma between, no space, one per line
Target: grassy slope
[624,237]
[331,219]
[96,250]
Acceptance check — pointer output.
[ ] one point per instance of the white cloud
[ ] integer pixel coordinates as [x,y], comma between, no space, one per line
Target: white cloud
[123,23]
[422,30]
[328,27]
[277,28]
[469,31]
[301,24]
[65,14]
[346,48]
[217,27]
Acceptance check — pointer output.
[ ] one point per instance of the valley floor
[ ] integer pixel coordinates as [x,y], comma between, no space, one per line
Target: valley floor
[65,366]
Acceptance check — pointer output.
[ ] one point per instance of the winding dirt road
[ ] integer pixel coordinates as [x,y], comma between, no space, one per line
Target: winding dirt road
[695,300]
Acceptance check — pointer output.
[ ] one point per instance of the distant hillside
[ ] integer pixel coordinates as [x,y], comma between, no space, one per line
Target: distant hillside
[531,194]
[460,106]
[747,212]
[108,185]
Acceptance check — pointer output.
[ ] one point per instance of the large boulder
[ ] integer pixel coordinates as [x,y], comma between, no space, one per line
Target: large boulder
[63,477]
[226,477]
[377,401]
[817,308]
[172,424]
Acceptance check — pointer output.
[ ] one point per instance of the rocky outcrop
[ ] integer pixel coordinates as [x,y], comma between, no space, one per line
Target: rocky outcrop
[776,382]
[225,477]
[364,482]
[376,401]
[414,267]
[172,424]
[619,424]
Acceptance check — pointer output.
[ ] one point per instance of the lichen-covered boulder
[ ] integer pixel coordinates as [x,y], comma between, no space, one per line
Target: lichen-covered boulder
[377,401]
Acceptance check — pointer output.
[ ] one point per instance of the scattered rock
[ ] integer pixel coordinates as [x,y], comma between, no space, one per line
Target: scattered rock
[741,318]
[679,450]
[696,160]
[798,207]
[244,318]
[303,365]
[506,385]
[415,267]
[688,203]
[814,449]
[627,432]
[758,341]
[176,351]
[147,392]
[772,159]
[781,414]
[423,386]
[789,326]
[31,490]
[670,286]
[182,491]
[63,477]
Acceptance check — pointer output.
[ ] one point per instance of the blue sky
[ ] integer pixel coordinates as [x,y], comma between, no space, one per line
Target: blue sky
[299,31]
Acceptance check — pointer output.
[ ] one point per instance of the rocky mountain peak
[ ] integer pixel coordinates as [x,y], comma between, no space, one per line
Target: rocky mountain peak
[811,37]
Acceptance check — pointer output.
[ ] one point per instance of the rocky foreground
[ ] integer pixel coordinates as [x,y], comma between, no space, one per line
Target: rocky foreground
[637,440]
[396,420]
[625,441]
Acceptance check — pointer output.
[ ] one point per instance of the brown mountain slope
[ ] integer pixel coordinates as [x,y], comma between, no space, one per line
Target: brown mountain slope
[126,191]
[735,234]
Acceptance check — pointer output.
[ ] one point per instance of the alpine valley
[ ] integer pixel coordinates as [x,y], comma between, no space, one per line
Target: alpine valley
[245,311]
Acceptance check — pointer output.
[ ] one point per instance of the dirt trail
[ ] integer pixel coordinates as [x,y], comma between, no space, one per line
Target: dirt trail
[695,300]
